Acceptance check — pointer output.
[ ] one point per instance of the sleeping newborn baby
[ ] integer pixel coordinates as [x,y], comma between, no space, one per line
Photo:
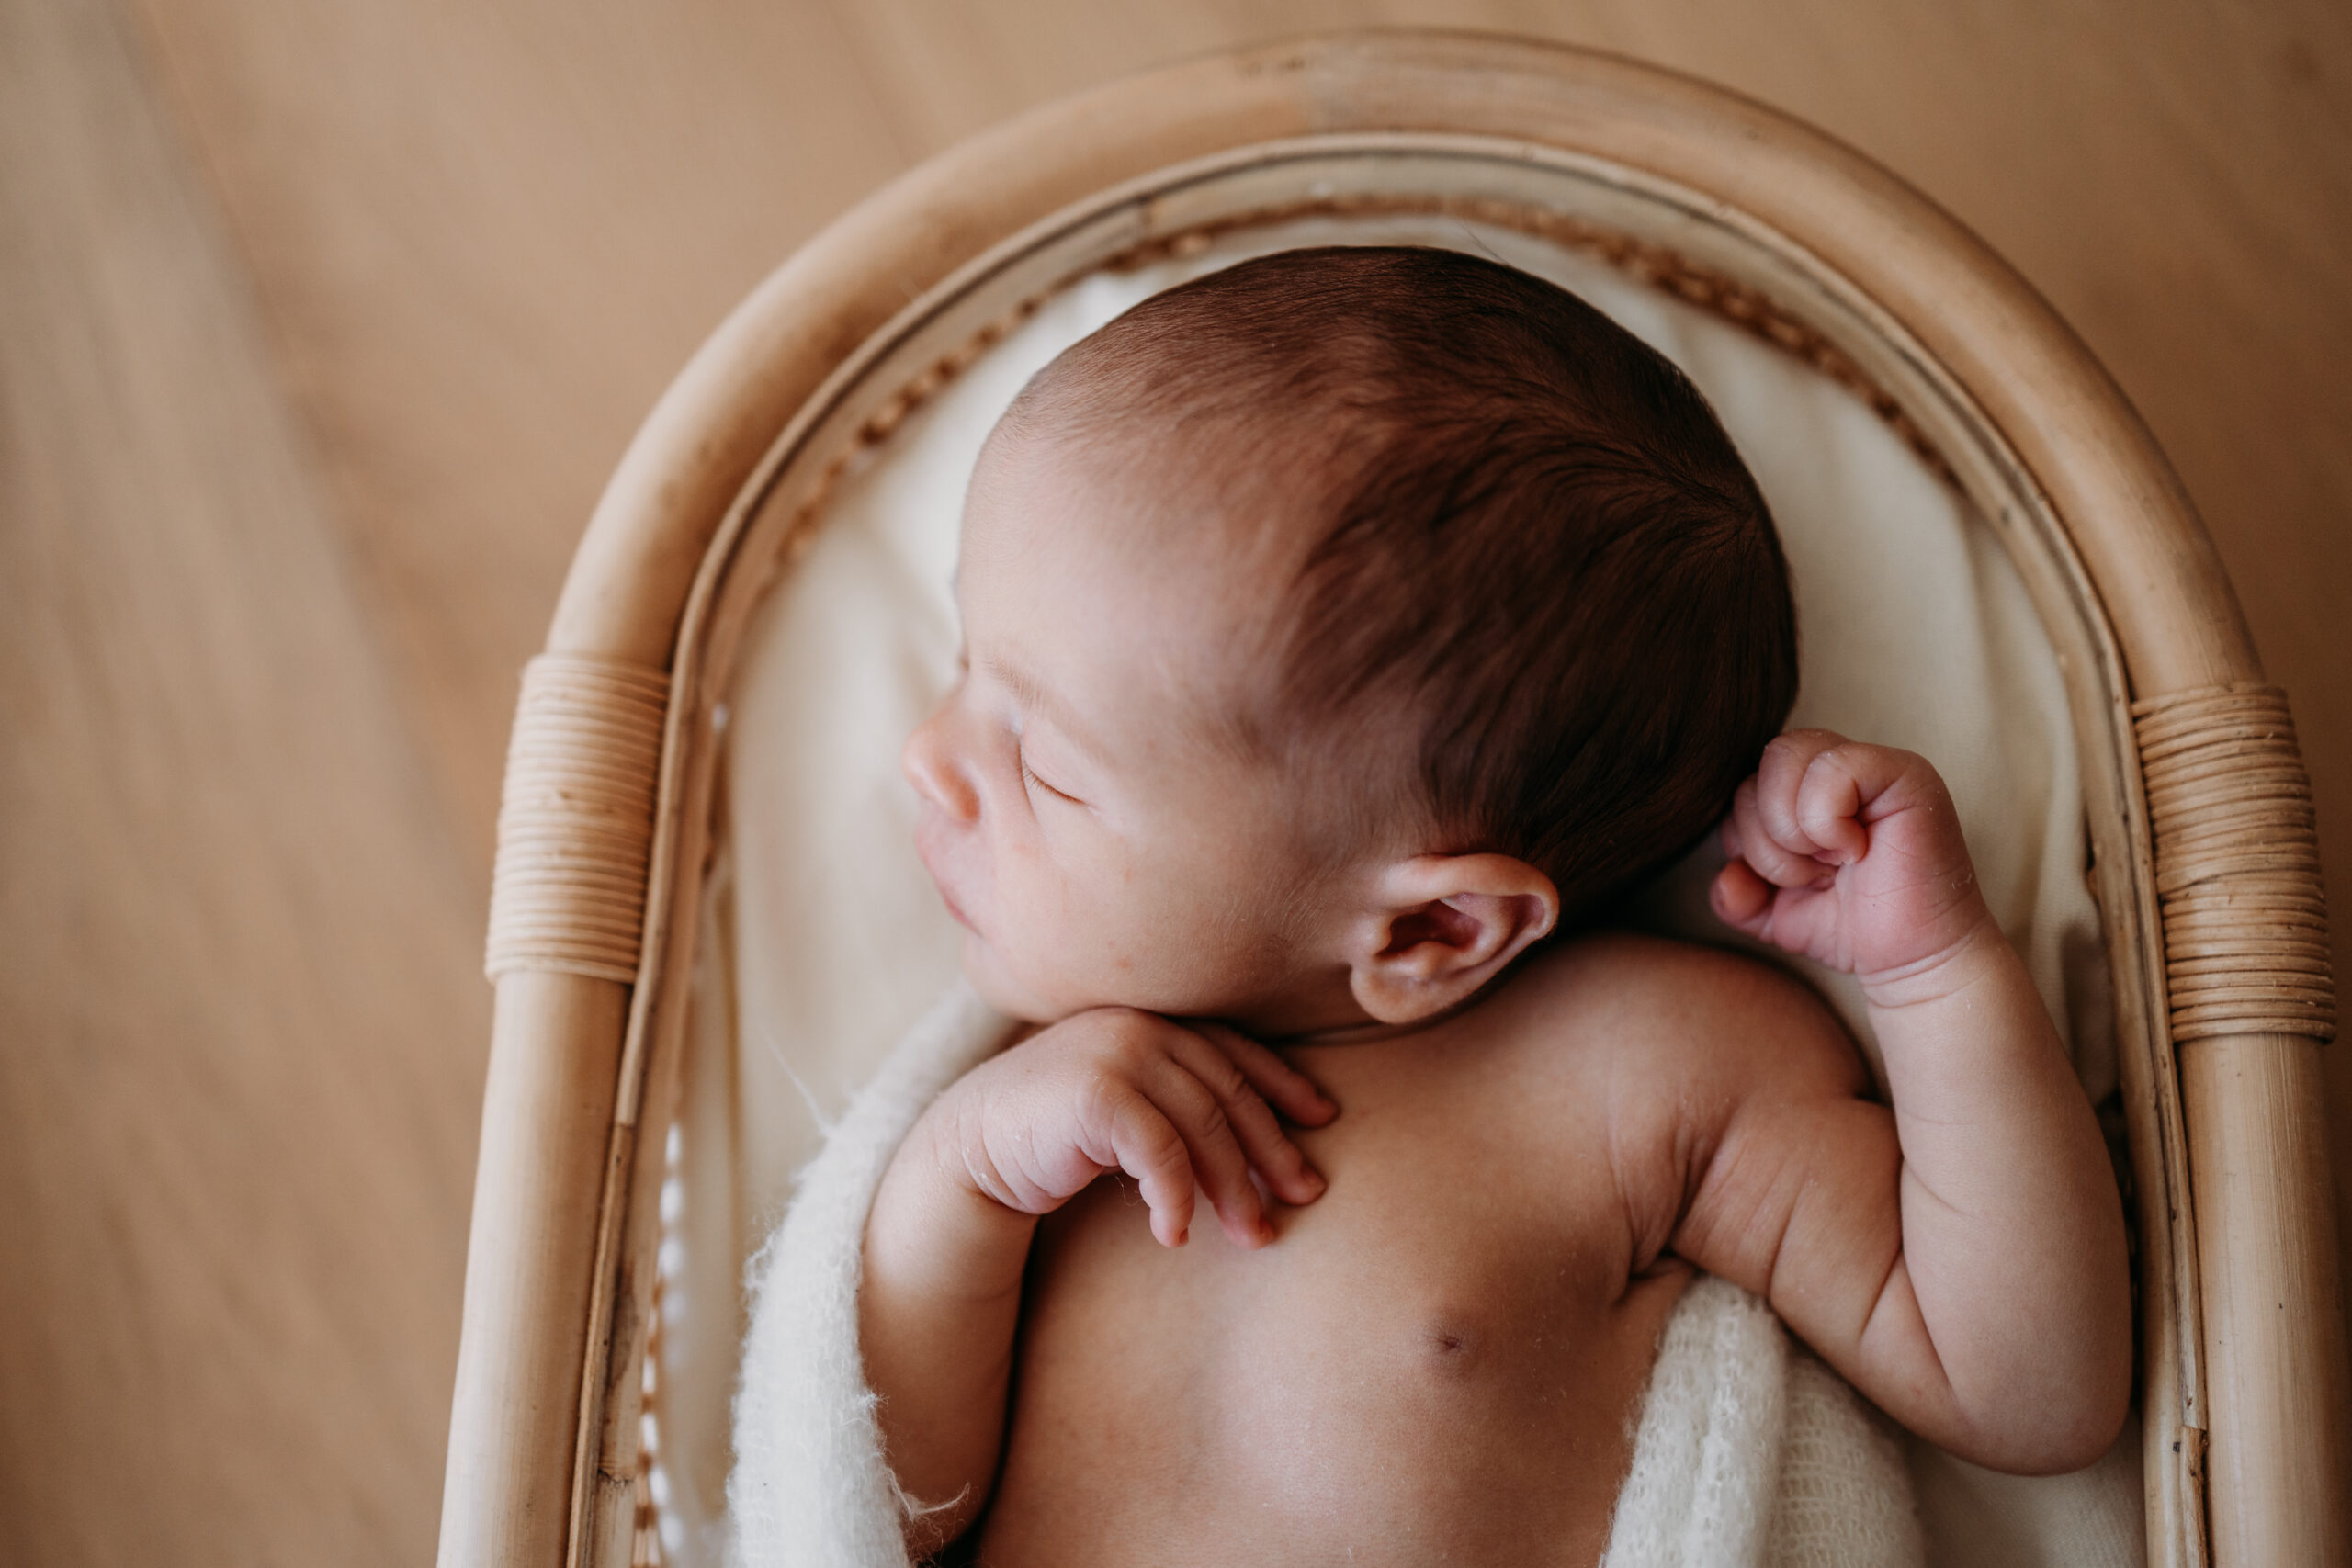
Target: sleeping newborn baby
[1343,632]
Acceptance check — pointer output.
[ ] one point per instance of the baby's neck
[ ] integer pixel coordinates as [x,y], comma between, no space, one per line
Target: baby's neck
[1362,1034]
[1352,1025]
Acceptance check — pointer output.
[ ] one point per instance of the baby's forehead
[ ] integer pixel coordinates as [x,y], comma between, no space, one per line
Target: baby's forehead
[1252,479]
[1236,500]
[1140,556]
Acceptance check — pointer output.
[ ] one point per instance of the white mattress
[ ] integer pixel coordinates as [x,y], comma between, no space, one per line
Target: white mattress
[823,941]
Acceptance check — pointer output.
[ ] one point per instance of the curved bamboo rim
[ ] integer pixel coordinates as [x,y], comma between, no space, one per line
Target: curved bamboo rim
[545,1398]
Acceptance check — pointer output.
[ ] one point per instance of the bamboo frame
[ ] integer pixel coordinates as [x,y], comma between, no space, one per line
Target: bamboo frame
[727,477]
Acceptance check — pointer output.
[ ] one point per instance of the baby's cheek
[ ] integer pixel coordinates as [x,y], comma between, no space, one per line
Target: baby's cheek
[1106,928]
[1058,933]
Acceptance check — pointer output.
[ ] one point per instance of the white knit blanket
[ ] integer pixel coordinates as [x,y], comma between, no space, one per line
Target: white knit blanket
[1748,1452]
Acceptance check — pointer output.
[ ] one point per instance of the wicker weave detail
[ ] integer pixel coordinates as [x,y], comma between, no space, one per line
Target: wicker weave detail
[575,827]
[2237,865]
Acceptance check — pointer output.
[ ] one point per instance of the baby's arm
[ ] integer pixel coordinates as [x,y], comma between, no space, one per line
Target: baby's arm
[1176,1107]
[1964,1261]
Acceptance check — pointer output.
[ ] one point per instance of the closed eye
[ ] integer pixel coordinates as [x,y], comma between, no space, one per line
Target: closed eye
[1028,775]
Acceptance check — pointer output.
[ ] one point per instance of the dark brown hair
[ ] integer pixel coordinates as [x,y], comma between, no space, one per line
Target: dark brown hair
[1534,535]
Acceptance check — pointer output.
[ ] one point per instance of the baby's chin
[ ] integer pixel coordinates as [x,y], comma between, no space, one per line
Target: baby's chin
[985,968]
[1047,999]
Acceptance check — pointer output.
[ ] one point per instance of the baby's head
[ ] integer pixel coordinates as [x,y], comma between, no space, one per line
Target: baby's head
[1335,625]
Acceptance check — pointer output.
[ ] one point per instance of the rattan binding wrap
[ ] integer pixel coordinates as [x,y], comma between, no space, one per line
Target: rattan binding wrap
[2237,865]
[575,827]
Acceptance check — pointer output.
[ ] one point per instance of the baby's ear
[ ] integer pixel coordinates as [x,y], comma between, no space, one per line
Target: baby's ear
[1441,926]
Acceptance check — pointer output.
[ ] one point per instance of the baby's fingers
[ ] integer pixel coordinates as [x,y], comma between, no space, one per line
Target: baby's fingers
[1848,783]
[1289,1090]
[1208,1115]
[1749,839]
[1144,1144]
[1742,899]
[1781,777]
[1266,1147]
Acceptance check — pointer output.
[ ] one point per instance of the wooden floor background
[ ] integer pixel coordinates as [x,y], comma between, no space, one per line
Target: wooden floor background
[320,325]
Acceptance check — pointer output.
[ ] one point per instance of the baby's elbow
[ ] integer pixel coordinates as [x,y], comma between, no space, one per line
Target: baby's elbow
[2106,1405]
[2063,1434]
[2075,1445]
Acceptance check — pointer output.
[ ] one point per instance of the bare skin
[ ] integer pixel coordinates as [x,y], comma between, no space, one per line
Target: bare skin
[1451,1209]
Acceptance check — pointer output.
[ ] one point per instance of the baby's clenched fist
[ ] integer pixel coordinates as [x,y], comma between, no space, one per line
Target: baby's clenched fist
[1851,854]
[1179,1107]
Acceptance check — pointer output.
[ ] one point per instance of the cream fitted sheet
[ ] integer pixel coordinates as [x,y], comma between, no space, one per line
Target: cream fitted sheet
[823,941]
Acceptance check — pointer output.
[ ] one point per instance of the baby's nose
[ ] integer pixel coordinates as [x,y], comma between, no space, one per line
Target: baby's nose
[932,767]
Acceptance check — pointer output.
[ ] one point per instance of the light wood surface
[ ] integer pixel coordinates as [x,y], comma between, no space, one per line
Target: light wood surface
[241,1031]
[323,326]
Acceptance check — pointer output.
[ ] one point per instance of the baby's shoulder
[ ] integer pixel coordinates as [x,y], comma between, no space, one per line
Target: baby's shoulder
[1651,1049]
[1657,1018]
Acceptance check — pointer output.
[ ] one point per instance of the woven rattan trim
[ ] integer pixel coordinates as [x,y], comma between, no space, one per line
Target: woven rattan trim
[575,829]
[2237,865]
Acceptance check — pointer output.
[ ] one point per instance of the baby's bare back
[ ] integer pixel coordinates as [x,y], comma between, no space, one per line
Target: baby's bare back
[1440,1360]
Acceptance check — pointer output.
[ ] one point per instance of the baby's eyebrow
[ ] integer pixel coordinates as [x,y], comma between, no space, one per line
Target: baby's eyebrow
[1034,695]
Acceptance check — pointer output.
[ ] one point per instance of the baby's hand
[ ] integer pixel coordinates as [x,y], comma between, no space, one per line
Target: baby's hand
[1851,855]
[1175,1105]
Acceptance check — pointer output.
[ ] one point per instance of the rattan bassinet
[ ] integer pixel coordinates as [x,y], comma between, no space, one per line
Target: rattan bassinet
[2206,865]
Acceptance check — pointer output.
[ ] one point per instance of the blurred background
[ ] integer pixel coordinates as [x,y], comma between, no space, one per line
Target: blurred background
[322,322]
